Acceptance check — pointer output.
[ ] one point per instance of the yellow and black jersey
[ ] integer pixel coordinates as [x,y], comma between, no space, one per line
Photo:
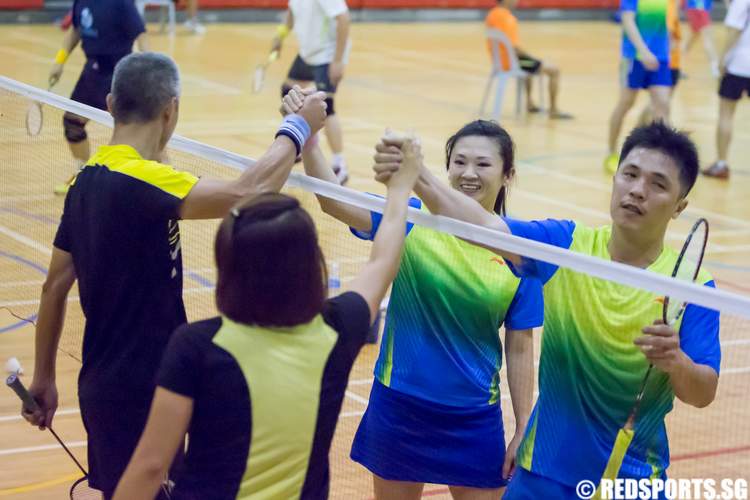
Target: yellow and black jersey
[265,401]
[120,226]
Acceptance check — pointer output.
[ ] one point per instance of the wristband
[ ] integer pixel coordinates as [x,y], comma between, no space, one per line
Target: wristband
[296,128]
[282,30]
[61,56]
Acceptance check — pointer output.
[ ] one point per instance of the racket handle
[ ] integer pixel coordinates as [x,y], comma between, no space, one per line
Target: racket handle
[15,383]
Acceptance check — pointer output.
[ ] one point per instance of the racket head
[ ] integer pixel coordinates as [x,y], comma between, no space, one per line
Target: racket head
[34,119]
[258,76]
[80,490]
[686,268]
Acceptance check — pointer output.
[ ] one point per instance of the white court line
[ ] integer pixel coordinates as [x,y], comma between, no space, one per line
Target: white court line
[27,197]
[32,449]
[349,414]
[363,381]
[68,411]
[14,284]
[25,240]
[357,398]
[734,371]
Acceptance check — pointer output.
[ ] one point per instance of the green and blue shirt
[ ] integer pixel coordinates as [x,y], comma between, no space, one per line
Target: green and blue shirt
[590,370]
[441,340]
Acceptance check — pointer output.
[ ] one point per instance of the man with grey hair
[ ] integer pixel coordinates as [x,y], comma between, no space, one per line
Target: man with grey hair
[119,237]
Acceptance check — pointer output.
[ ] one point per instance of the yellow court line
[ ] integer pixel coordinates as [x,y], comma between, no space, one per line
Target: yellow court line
[39,486]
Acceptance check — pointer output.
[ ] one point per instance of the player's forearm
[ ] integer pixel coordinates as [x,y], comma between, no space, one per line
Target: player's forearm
[316,166]
[70,41]
[48,330]
[389,241]
[441,199]
[519,356]
[631,31]
[140,481]
[693,383]
[271,170]
[342,36]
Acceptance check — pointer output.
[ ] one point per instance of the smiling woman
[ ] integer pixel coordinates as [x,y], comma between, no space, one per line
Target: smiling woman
[441,351]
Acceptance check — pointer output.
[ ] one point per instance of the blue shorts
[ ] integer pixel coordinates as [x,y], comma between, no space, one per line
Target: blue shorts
[403,438]
[636,76]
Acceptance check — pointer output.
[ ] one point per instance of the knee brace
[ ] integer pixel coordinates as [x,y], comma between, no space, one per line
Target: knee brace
[75,130]
[330,110]
[285,89]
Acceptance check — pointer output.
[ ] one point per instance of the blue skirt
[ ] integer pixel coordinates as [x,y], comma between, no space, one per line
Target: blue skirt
[403,438]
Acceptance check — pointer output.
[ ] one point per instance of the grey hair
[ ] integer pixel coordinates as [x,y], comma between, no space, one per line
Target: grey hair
[142,85]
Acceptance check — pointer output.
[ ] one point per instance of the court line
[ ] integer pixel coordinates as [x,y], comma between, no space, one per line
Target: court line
[40,485]
[66,411]
[46,447]
[357,398]
[709,453]
[25,240]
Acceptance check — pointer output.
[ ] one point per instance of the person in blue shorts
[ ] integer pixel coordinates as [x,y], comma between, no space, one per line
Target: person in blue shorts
[434,414]
[106,30]
[599,336]
[644,65]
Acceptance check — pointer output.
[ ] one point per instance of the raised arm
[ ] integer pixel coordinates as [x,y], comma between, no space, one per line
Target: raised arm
[376,276]
[316,166]
[49,325]
[212,198]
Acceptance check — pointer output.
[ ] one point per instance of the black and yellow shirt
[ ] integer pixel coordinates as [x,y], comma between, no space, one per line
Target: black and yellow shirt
[266,402]
[120,226]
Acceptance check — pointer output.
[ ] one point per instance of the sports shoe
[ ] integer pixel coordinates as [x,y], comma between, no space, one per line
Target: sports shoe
[611,162]
[717,170]
[342,174]
[194,27]
[63,188]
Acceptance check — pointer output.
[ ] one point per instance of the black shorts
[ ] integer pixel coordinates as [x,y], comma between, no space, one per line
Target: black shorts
[530,65]
[732,87]
[302,71]
[113,429]
[675,77]
[94,84]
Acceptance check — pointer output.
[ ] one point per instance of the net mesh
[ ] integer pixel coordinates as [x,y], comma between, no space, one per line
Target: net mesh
[710,443]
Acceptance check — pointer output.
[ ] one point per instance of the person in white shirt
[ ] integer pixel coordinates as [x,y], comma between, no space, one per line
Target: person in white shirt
[322,28]
[735,82]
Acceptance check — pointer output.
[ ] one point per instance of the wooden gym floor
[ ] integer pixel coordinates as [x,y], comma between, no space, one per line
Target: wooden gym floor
[425,77]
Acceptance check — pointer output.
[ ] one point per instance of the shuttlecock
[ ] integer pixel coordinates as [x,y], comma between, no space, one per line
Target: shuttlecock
[13,366]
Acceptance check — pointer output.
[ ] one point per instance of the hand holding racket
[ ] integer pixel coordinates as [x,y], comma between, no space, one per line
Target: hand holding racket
[260,71]
[80,490]
[662,341]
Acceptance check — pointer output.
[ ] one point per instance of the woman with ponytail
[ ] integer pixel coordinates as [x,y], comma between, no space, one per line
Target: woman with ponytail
[434,413]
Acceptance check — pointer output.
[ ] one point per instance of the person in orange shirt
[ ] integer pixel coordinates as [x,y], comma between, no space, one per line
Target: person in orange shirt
[502,19]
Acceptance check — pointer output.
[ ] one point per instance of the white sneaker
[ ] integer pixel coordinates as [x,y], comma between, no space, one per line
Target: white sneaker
[342,174]
[194,27]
